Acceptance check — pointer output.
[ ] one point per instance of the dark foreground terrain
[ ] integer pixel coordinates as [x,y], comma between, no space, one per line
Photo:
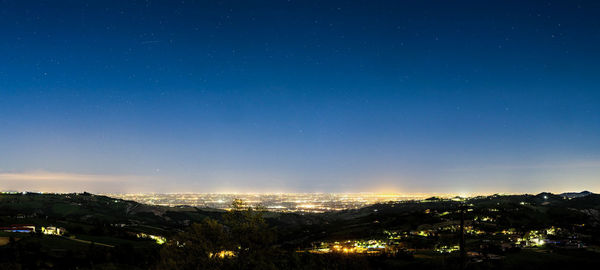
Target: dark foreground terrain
[86,231]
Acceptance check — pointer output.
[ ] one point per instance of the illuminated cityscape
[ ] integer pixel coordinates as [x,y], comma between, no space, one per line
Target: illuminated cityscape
[277,202]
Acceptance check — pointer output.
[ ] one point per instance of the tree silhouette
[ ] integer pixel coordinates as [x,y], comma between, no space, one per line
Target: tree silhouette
[196,248]
[251,236]
[244,233]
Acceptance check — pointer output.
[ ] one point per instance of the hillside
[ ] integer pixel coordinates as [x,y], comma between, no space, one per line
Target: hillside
[127,234]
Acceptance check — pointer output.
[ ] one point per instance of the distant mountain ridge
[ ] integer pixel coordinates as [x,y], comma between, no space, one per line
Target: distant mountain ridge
[576,194]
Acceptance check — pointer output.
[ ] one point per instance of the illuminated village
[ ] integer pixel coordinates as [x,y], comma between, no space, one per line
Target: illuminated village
[442,238]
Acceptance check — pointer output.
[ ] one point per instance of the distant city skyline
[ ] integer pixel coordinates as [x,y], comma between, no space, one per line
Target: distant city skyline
[461,97]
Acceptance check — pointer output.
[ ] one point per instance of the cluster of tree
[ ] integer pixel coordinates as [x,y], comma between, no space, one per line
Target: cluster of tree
[242,241]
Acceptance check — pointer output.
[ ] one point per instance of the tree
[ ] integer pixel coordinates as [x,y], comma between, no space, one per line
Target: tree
[197,248]
[251,235]
[244,233]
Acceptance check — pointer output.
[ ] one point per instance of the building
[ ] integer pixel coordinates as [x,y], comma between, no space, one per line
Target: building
[53,230]
[20,228]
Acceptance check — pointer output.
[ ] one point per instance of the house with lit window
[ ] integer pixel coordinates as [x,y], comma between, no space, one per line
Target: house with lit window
[19,228]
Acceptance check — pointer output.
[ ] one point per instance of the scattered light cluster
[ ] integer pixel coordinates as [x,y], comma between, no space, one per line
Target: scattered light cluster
[395,241]
[159,239]
[351,246]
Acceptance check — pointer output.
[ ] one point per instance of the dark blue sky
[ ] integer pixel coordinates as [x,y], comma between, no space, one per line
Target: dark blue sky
[403,96]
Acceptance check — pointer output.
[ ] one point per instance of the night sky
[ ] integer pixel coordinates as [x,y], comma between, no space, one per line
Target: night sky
[302,96]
